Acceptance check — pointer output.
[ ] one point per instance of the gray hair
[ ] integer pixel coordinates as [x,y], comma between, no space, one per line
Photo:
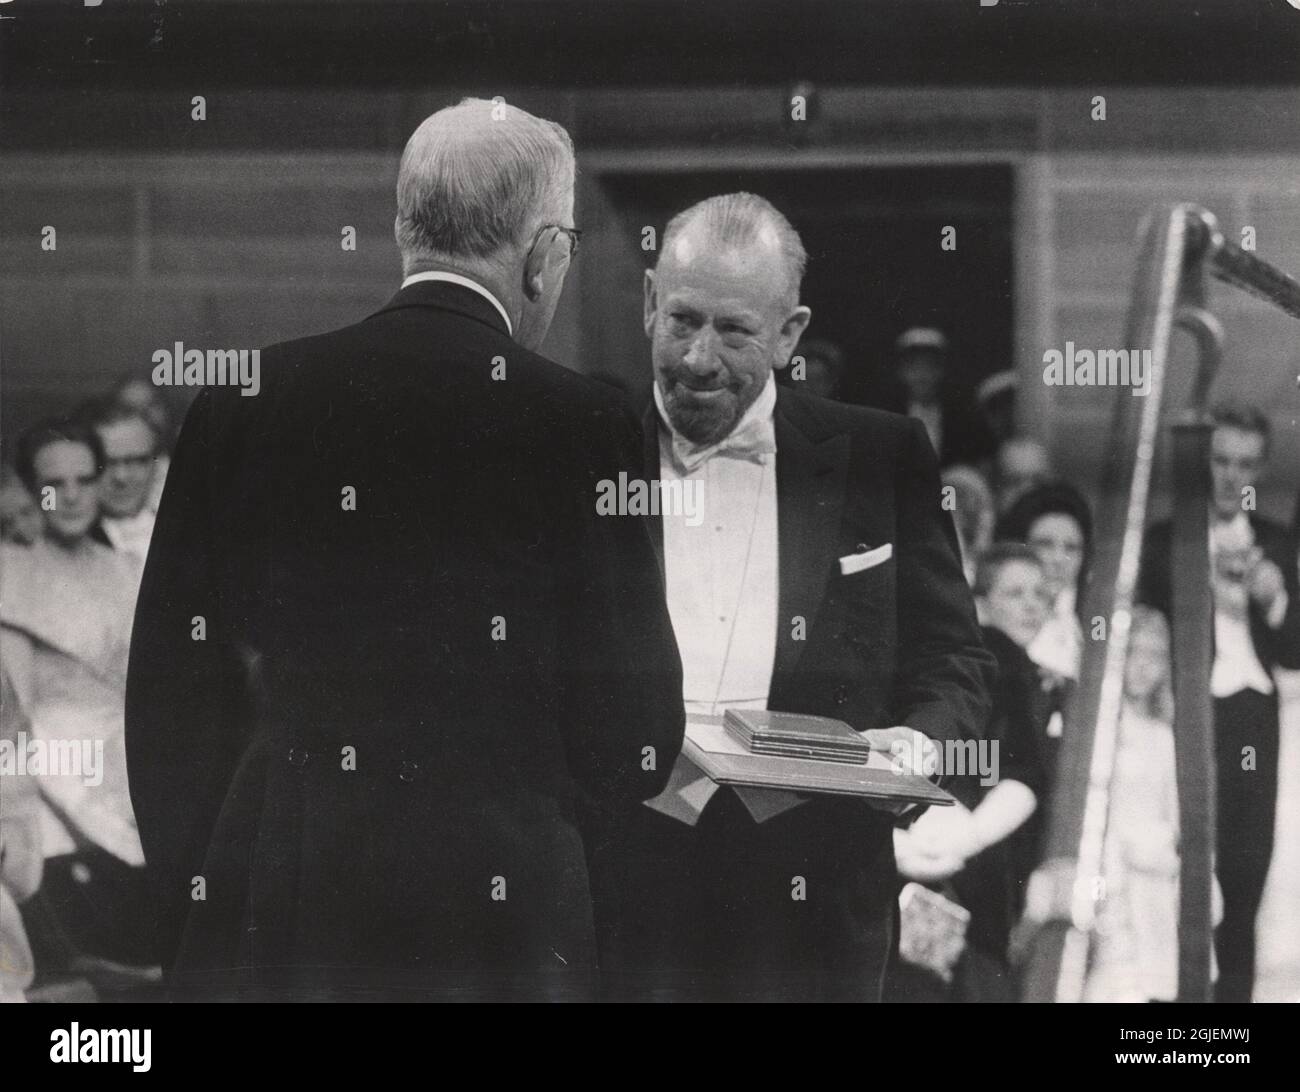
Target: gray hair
[475,178]
[737,219]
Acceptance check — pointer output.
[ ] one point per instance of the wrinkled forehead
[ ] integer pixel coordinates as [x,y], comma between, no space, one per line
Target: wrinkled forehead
[699,268]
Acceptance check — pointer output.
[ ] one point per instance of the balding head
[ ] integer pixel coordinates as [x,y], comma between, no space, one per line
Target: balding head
[722,311]
[479,178]
[739,222]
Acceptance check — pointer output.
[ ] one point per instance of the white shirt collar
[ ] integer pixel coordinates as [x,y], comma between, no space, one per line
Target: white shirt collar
[464,282]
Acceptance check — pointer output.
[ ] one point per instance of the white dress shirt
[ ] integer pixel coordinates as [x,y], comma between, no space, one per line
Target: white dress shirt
[722,576]
[464,282]
[1236,665]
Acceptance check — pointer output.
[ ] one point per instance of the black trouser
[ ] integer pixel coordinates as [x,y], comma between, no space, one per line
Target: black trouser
[1247,801]
[707,914]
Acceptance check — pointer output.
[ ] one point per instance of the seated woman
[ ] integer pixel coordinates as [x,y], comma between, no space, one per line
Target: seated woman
[66,606]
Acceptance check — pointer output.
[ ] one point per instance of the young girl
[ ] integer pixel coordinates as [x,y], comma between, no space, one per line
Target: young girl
[1135,953]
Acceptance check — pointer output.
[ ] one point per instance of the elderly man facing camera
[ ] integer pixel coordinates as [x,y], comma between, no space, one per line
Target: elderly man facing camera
[387,654]
[823,579]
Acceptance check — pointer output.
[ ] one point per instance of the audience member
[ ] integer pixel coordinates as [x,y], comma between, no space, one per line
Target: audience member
[823,369]
[1135,952]
[131,446]
[1256,627]
[1055,520]
[971,853]
[972,512]
[996,399]
[135,393]
[1020,464]
[927,389]
[20,517]
[66,605]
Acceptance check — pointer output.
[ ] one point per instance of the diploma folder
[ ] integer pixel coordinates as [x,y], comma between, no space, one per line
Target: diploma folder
[726,760]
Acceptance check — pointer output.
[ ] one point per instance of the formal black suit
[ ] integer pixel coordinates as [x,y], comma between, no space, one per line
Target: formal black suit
[707,911]
[1246,797]
[381,795]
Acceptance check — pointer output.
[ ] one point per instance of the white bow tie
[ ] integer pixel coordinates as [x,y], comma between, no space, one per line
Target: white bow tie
[750,442]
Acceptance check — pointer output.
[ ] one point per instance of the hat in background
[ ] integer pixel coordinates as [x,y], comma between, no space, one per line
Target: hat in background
[923,338]
[994,386]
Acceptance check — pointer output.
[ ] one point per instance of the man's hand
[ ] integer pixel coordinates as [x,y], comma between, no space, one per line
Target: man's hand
[909,751]
[923,867]
[1266,584]
[912,751]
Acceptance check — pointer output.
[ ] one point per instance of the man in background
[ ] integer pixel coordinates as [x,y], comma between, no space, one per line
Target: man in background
[927,390]
[131,446]
[1256,628]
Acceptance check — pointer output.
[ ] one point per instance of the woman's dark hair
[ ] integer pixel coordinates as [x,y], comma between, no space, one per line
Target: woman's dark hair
[41,436]
[1048,499]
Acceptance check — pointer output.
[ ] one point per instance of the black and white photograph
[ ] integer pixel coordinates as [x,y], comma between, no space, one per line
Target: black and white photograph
[647,501]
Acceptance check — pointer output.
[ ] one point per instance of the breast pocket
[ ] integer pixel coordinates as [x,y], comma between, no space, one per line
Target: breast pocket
[866,603]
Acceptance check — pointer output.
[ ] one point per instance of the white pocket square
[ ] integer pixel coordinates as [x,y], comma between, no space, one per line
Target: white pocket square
[867,559]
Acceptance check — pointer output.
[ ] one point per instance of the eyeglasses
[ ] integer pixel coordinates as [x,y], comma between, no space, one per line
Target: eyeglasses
[573,234]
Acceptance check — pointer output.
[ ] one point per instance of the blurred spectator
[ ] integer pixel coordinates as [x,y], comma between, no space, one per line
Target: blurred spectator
[20,846]
[1020,464]
[1135,955]
[20,516]
[66,605]
[972,512]
[927,390]
[1056,522]
[996,398]
[131,446]
[971,853]
[139,394]
[1256,628]
[823,369]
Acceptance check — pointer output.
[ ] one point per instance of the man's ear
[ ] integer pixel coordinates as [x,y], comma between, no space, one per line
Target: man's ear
[651,302]
[535,263]
[791,331]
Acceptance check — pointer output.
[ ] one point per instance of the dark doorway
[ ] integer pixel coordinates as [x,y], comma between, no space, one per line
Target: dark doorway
[875,265]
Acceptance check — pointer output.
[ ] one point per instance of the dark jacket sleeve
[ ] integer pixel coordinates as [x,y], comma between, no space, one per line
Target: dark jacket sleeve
[183,723]
[621,703]
[944,672]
